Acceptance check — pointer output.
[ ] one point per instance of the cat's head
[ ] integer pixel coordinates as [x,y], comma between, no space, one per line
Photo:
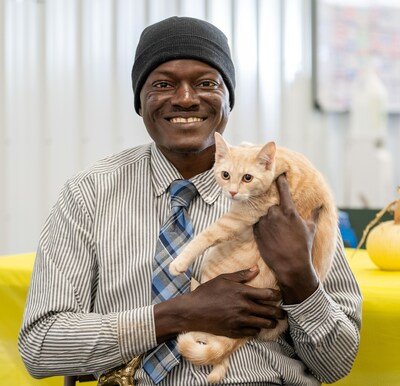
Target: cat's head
[243,172]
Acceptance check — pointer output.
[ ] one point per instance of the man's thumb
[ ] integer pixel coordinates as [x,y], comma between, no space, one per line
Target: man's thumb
[244,275]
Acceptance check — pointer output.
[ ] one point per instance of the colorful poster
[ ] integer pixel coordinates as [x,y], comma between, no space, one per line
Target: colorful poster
[350,39]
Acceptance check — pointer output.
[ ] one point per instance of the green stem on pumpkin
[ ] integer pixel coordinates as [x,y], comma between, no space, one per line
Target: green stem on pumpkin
[378,216]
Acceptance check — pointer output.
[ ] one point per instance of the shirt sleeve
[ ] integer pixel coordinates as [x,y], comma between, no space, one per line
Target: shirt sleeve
[325,328]
[60,335]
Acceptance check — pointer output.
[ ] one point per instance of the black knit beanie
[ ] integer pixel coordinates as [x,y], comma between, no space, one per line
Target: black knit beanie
[182,38]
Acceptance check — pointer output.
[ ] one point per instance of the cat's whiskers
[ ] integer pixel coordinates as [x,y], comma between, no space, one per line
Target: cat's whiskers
[252,203]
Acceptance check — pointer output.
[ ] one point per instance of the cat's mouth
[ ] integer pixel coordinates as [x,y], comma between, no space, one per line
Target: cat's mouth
[236,197]
[185,120]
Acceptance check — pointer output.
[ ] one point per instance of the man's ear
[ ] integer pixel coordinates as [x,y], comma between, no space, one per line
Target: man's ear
[140,111]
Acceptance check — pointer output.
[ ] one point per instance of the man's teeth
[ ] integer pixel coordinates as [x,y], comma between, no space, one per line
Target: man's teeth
[185,120]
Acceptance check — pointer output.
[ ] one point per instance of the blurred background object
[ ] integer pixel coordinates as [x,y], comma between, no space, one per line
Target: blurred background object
[347,232]
[370,170]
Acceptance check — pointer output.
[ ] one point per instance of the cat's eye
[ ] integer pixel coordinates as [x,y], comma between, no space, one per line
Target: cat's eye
[225,175]
[247,178]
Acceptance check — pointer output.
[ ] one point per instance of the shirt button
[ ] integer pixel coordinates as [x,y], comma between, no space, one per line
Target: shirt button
[302,318]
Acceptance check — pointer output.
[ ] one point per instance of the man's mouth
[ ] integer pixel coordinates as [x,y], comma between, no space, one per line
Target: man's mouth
[186,120]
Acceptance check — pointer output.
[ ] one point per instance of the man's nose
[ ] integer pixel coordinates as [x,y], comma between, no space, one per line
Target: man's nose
[185,96]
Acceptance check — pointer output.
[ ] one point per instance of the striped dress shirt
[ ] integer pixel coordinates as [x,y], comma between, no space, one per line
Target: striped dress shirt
[89,304]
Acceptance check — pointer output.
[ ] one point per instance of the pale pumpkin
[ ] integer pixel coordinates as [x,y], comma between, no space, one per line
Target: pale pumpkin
[383,241]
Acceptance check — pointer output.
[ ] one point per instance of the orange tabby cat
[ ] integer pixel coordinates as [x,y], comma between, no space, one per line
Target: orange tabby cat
[246,174]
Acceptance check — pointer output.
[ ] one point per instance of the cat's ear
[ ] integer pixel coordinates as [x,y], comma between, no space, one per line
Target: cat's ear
[266,155]
[221,147]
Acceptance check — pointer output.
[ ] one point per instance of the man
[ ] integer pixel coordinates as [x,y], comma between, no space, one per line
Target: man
[90,307]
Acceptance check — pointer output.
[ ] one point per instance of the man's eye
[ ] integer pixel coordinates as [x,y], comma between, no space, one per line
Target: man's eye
[208,83]
[162,85]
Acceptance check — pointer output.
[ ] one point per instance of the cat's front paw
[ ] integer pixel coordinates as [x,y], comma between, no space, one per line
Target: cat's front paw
[176,268]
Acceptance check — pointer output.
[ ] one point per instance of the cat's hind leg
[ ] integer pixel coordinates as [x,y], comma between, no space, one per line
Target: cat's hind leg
[219,371]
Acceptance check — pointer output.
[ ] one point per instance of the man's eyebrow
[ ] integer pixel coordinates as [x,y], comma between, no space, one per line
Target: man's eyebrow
[162,72]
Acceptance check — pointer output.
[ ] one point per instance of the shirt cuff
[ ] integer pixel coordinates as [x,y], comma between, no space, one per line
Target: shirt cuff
[136,332]
[312,315]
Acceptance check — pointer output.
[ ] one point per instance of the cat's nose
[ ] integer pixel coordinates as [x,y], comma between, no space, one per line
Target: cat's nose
[233,194]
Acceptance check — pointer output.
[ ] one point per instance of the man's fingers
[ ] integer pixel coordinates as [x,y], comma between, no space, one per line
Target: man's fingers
[268,311]
[286,201]
[261,295]
[258,295]
[242,276]
[253,331]
[259,323]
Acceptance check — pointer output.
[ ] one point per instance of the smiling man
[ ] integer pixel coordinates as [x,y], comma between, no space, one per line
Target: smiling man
[95,299]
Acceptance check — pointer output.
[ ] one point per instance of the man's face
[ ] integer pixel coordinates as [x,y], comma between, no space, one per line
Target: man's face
[183,102]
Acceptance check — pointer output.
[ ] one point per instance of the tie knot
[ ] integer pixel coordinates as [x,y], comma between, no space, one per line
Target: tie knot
[182,193]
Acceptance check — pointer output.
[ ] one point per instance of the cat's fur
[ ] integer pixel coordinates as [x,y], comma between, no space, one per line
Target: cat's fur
[231,237]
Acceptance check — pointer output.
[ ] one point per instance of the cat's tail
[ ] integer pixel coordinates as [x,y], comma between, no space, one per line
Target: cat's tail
[202,348]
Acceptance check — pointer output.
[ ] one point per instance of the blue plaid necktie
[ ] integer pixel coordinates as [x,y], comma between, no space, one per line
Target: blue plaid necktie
[174,234]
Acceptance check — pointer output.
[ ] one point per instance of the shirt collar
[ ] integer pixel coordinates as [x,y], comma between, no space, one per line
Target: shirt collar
[163,173]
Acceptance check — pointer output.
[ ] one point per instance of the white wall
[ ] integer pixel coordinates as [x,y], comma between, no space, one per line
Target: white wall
[66,98]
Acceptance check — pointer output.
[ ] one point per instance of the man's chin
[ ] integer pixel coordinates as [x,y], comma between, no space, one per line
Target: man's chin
[188,149]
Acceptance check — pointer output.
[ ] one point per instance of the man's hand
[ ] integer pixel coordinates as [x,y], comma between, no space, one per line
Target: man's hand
[224,305]
[285,243]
